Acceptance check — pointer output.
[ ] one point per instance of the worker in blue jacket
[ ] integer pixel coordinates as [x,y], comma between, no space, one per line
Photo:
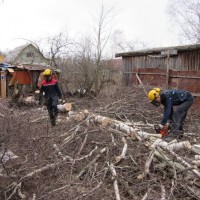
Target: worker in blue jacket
[182,99]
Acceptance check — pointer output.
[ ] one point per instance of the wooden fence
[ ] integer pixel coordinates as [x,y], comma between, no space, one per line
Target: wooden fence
[154,77]
[188,80]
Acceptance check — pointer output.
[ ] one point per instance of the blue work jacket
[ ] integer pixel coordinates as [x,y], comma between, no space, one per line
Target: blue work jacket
[170,98]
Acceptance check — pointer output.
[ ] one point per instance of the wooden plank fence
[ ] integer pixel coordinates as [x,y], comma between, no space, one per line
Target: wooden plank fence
[188,80]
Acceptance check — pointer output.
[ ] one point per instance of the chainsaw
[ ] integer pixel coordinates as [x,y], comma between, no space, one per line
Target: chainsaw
[163,131]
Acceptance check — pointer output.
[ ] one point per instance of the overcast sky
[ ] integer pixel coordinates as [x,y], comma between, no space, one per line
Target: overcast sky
[144,20]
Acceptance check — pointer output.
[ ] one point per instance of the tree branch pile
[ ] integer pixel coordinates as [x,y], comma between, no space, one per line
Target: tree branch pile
[105,149]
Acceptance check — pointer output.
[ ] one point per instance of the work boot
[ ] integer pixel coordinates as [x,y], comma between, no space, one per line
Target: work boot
[168,138]
[53,122]
[172,136]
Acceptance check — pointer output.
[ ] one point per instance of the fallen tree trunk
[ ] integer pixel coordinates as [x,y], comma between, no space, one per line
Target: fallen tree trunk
[153,143]
[106,121]
[196,172]
[175,146]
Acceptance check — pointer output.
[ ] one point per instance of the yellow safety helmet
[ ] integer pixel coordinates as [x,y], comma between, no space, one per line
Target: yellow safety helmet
[153,94]
[47,72]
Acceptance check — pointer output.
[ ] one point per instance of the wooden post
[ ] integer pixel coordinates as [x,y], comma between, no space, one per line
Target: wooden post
[138,78]
[137,71]
[167,53]
[167,70]
[3,84]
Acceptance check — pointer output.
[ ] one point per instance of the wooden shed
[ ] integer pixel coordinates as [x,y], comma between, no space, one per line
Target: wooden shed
[166,67]
[22,67]
[27,77]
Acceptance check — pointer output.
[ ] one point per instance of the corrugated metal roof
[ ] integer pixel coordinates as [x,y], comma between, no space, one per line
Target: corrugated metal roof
[158,50]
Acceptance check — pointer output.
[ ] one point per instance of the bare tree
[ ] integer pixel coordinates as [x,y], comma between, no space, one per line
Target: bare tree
[91,69]
[102,33]
[85,64]
[121,44]
[58,48]
[186,15]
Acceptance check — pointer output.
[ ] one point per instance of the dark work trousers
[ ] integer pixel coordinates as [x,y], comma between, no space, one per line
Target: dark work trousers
[51,104]
[179,116]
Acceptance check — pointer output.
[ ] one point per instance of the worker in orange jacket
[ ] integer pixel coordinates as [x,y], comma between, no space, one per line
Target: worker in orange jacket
[52,93]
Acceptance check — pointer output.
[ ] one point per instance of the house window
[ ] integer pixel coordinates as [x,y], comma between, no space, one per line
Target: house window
[29,54]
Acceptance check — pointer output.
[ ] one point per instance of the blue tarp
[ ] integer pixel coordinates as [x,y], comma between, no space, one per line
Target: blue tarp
[4,65]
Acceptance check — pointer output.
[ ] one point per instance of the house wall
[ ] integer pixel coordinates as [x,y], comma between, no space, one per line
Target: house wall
[30,55]
[29,88]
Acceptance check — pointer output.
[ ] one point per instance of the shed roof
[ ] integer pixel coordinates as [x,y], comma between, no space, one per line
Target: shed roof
[12,55]
[158,50]
[30,67]
[5,66]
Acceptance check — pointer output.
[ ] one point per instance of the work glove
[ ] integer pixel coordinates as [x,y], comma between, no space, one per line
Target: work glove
[161,126]
[164,127]
[59,101]
[169,122]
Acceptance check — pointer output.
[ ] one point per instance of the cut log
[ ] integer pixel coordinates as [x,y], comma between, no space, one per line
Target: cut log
[197,157]
[65,107]
[104,121]
[176,146]
[196,162]
[29,100]
[79,116]
[126,129]
[145,135]
[196,148]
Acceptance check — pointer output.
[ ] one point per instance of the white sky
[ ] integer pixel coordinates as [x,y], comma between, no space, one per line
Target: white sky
[144,20]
